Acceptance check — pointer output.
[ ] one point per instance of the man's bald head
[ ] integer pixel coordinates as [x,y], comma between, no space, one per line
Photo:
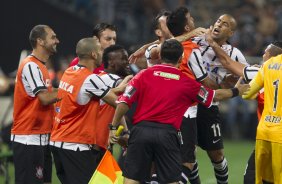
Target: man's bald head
[232,21]
[86,46]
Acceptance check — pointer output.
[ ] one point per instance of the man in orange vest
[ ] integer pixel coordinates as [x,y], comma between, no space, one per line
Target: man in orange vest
[73,137]
[33,110]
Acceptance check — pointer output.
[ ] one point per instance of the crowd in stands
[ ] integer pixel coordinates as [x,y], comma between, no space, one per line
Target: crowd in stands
[258,20]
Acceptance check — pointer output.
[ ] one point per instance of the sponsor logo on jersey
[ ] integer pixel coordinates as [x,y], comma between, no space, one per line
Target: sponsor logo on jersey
[66,86]
[57,109]
[166,75]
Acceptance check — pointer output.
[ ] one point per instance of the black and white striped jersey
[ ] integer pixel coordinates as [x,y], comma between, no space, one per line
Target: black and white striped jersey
[111,80]
[250,72]
[32,79]
[213,66]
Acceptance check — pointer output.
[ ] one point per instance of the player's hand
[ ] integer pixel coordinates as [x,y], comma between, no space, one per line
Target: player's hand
[208,36]
[242,87]
[121,87]
[137,54]
[113,137]
[123,140]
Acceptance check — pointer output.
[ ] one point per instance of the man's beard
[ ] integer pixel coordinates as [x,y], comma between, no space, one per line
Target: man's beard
[51,49]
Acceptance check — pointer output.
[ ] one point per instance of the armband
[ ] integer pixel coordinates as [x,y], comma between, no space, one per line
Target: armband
[111,127]
[235,92]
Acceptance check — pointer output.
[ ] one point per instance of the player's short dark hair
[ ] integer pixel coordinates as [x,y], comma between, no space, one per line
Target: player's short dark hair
[177,20]
[171,51]
[276,49]
[156,23]
[100,27]
[107,51]
[38,31]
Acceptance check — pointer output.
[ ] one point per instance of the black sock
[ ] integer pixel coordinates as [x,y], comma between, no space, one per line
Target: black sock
[192,176]
[250,173]
[184,175]
[221,171]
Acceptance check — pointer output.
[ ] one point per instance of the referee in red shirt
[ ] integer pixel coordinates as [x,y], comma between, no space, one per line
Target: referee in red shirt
[162,93]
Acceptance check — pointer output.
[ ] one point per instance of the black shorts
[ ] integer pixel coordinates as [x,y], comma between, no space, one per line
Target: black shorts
[209,128]
[153,142]
[189,136]
[73,167]
[32,163]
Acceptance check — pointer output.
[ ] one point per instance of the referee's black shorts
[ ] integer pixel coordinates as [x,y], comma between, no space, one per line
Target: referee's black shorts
[153,142]
[189,136]
[209,128]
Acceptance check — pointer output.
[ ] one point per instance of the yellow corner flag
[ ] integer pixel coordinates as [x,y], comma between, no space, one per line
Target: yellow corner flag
[107,172]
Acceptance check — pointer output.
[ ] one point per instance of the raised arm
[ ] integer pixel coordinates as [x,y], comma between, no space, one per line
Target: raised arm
[140,52]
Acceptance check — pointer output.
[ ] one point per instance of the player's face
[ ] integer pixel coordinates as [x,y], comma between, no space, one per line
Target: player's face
[266,56]
[51,41]
[120,62]
[99,53]
[190,22]
[222,29]
[107,38]
[165,33]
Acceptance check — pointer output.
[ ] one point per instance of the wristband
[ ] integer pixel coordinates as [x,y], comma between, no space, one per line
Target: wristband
[112,127]
[126,132]
[235,92]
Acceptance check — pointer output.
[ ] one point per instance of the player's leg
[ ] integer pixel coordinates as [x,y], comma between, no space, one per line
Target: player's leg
[277,162]
[130,181]
[138,159]
[167,155]
[264,173]
[29,163]
[250,173]
[188,148]
[47,165]
[210,139]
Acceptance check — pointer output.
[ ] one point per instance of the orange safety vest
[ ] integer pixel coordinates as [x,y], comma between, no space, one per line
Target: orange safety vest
[73,122]
[105,117]
[30,116]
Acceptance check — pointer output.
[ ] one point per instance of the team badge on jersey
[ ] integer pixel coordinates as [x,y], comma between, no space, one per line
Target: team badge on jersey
[39,172]
[129,91]
[203,94]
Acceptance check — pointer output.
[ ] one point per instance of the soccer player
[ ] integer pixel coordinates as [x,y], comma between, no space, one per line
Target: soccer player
[248,72]
[33,110]
[115,59]
[268,140]
[73,144]
[159,114]
[208,119]
[106,34]
[180,22]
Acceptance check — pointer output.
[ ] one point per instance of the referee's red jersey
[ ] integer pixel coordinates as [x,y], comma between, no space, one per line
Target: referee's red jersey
[163,94]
